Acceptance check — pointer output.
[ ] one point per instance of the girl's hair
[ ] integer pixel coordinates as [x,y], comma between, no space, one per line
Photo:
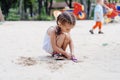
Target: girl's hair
[65,17]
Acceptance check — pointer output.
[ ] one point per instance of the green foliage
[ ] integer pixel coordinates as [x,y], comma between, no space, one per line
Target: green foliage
[13,15]
[113,0]
[59,0]
[92,15]
[30,2]
[44,16]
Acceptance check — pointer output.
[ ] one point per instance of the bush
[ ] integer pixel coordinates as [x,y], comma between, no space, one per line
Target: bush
[13,15]
[44,16]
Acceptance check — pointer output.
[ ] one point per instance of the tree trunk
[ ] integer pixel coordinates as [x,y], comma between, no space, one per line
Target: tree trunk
[21,8]
[39,6]
[25,6]
[5,6]
[31,10]
[70,4]
[67,2]
[89,9]
[46,6]
[50,7]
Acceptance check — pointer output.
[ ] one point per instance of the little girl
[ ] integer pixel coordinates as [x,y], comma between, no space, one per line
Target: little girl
[58,38]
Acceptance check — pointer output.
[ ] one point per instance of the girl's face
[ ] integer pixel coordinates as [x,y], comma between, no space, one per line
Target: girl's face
[66,27]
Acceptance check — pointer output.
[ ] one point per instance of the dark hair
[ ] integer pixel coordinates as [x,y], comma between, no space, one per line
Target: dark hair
[65,17]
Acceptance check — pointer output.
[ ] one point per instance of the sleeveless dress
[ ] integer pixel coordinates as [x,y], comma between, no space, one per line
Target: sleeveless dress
[47,46]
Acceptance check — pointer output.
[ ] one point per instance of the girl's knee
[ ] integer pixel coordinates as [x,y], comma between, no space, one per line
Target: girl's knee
[60,40]
[61,37]
[67,37]
[64,36]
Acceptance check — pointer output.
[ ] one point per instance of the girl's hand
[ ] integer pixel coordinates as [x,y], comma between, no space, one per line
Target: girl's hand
[74,59]
[69,57]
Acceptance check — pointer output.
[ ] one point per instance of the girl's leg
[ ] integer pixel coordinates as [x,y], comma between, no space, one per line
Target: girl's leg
[59,42]
[63,40]
[66,41]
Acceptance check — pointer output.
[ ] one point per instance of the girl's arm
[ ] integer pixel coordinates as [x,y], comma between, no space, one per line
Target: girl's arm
[54,46]
[71,45]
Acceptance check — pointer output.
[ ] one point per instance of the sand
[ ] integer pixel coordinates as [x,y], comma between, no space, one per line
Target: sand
[22,57]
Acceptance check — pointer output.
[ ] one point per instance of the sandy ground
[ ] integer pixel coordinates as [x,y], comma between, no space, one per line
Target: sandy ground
[22,57]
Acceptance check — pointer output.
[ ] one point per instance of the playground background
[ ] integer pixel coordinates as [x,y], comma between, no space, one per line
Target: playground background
[16,10]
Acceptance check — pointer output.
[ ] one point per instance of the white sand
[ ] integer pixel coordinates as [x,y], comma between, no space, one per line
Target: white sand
[99,54]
